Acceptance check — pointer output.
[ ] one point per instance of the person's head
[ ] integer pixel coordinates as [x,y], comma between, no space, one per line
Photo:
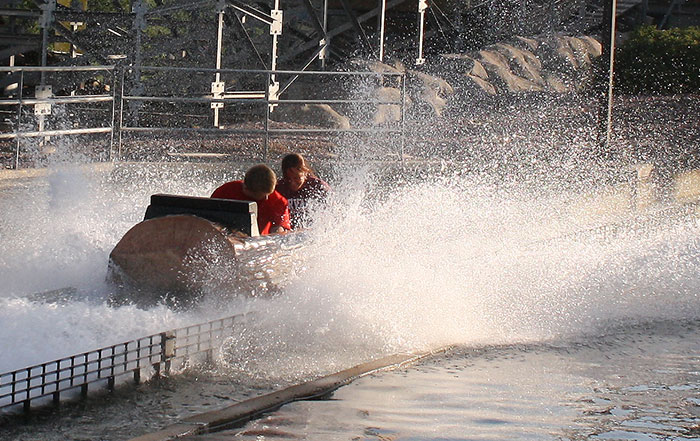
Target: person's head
[259,182]
[295,170]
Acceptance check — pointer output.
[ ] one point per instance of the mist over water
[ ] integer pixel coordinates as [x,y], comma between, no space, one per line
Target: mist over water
[395,262]
[450,260]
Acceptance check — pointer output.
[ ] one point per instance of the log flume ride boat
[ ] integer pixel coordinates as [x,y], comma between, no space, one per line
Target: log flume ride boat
[189,246]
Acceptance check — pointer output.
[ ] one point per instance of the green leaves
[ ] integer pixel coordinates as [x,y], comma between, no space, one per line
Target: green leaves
[659,61]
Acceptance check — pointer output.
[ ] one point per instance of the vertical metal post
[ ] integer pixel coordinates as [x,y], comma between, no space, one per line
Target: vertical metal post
[403,116]
[275,34]
[121,115]
[267,118]
[275,30]
[140,25]
[219,45]
[114,111]
[86,368]
[45,22]
[422,6]
[608,57]
[19,117]
[327,40]
[167,347]
[382,23]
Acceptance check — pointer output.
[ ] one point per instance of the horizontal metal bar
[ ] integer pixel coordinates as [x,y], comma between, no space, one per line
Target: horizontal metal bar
[72,15]
[245,94]
[273,72]
[247,100]
[85,365]
[59,100]
[334,102]
[176,8]
[86,377]
[55,68]
[36,134]
[168,99]
[7,12]
[253,131]
[397,130]
[191,129]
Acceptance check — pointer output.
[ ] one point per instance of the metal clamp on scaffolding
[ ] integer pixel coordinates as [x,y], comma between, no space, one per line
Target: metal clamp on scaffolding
[217,93]
[276,25]
[43,92]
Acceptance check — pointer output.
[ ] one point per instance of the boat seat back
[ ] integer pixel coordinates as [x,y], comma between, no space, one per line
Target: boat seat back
[237,215]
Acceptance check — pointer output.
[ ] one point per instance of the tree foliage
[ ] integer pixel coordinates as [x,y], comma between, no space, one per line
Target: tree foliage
[659,61]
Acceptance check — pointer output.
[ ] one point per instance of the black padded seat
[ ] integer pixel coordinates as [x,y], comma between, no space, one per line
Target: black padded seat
[237,215]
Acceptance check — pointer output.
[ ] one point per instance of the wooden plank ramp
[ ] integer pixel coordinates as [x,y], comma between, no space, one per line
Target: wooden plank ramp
[238,414]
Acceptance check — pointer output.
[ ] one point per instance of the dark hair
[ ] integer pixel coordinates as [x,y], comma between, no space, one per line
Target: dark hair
[294,160]
[260,178]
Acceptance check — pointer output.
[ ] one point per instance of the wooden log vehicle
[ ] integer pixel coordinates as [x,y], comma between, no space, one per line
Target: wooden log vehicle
[187,247]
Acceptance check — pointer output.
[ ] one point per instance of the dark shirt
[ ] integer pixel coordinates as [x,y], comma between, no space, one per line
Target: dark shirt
[312,189]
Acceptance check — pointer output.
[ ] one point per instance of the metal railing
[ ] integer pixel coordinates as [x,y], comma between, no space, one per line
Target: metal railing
[45,101]
[155,354]
[268,95]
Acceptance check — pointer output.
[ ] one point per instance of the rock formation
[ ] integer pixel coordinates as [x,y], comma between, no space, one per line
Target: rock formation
[554,65]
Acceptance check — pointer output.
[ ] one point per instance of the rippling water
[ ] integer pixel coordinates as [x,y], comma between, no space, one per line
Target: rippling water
[641,383]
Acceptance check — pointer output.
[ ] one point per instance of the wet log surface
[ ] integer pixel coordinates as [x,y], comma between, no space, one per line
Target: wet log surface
[179,259]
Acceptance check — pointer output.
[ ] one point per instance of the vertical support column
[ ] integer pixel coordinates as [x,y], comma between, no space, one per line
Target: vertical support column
[217,87]
[121,114]
[381,24]
[114,113]
[422,7]
[45,22]
[323,55]
[275,30]
[19,117]
[609,30]
[167,350]
[403,116]
[13,30]
[139,9]
[267,117]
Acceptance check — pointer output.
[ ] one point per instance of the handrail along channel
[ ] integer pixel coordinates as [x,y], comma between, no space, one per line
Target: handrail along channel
[156,353]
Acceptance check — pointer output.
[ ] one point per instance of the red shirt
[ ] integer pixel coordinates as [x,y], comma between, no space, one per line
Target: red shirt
[273,211]
[312,188]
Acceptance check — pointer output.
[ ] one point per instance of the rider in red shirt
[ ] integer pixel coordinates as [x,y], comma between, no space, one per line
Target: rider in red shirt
[259,186]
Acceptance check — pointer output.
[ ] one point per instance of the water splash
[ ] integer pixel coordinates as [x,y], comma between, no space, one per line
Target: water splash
[453,260]
[394,262]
